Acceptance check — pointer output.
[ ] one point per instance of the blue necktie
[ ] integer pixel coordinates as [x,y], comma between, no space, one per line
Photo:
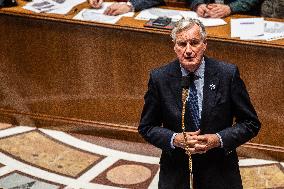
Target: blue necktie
[192,120]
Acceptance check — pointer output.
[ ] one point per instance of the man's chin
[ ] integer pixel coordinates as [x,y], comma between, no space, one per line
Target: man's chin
[190,65]
[188,62]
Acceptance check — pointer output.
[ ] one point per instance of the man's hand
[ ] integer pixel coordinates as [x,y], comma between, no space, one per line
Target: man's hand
[117,9]
[95,3]
[198,144]
[192,140]
[202,10]
[207,142]
[218,10]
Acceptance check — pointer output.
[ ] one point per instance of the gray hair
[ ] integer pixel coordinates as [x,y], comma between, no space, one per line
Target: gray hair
[186,23]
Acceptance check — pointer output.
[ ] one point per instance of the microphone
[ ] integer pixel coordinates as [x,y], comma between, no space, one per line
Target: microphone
[185,81]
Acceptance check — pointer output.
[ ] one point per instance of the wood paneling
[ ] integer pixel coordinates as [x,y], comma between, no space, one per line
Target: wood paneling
[91,78]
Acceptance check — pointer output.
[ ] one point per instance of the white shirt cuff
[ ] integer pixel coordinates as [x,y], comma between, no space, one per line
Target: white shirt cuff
[172,141]
[221,141]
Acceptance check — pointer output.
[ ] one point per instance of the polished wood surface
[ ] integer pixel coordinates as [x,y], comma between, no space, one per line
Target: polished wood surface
[90,77]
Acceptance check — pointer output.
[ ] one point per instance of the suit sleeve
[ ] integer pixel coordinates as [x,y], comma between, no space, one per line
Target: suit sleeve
[150,127]
[145,4]
[237,6]
[194,3]
[243,5]
[246,124]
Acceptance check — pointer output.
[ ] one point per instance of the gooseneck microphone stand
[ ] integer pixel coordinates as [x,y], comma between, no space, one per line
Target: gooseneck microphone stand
[185,89]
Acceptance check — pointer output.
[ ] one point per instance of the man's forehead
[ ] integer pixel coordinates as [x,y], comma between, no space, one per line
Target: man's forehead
[189,34]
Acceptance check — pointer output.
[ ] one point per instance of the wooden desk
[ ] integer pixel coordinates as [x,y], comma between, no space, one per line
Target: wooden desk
[90,78]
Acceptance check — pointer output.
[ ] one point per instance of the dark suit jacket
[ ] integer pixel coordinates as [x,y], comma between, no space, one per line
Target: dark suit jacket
[145,4]
[251,7]
[161,118]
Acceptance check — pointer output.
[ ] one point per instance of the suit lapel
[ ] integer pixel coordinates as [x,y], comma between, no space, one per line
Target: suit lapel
[175,82]
[210,89]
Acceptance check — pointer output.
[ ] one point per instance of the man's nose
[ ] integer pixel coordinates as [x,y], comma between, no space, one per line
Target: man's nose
[188,48]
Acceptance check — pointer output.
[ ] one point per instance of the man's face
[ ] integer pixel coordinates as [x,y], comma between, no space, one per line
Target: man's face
[190,48]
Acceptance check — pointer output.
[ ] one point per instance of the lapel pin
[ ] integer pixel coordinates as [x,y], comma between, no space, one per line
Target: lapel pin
[212,87]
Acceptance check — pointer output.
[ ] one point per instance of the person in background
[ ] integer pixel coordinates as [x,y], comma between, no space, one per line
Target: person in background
[272,8]
[124,7]
[224,8]
[218,116]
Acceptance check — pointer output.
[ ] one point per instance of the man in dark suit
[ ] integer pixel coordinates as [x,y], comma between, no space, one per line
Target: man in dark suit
[223,8]
[127,6]
[273,9]
[225,116]
[204,8]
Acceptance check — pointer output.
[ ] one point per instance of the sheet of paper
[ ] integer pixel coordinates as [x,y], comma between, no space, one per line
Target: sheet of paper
[176,15]
[92,15]
[247,27]
[154,13]
[41,6]
[212,21]
[97,15]
[266,37]
[65,7]
[273,27]
[272,31]
[52,6]
[105,5]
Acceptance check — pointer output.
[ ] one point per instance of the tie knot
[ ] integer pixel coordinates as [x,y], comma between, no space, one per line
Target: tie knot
[185,82]
[188,80]
[191,76]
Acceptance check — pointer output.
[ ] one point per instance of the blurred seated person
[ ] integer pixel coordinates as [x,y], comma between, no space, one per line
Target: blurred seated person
[124,7]
[272,8]
[223,8]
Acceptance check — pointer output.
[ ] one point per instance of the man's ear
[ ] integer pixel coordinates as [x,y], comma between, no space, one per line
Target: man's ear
[174,42]
[205,44]
[175,48]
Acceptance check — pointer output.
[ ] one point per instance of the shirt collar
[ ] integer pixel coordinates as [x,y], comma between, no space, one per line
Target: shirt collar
[199,73]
